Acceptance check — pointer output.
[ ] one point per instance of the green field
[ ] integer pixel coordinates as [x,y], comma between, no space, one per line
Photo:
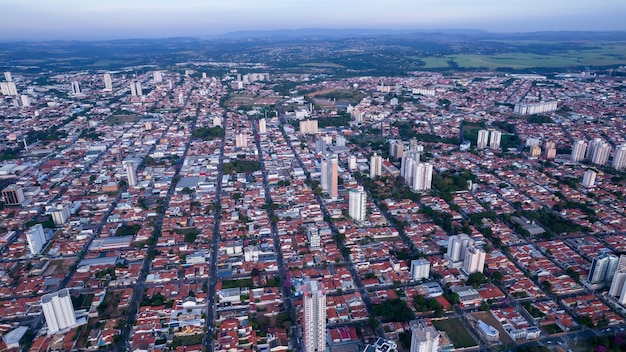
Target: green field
[602,55]
[460,337]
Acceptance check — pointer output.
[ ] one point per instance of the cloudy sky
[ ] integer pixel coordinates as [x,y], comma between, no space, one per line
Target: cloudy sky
[112,19]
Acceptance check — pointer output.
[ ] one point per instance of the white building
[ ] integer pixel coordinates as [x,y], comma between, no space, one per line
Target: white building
[308,126]
[157,76]
[376,165]
[60,213]
[76,88]
[422,176]
[314,318]
[603,268]
[262,126]
[8,76]
[589,178]
[578,150]
[352,163]
[474,261]
[36,239]
[619,159]
[8,88]
[420,269]
[494,139]
[58,311]
[135,88]
[241,140]
[535,108]
[108,83]
[483,139]
[357,204]
[424,338]
[131,172]
[457,245]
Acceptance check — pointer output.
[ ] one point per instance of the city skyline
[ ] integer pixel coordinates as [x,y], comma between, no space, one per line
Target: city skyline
[70,19]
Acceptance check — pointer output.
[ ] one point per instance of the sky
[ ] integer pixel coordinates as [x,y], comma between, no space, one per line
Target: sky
[118,19]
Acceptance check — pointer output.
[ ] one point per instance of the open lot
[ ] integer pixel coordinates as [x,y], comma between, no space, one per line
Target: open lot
[456,331]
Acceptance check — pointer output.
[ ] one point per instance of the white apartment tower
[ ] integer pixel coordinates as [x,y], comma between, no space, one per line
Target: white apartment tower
[131,172]
[157,76]
[549,150]
[619,159]
[474,260]
[60,213]
[422,177]
[352,163]
[36,239]
[589,178]
[241,140]
[603,268]
[357,204]
[333,181]
[457,245]
[135,88]
[76,88]
[424,338]
[483,139]
[396,149]
[578,151]
[7,76]
[58,310]
[420,269]
[314,318]
[262,126]
[108,83]
[494,139]
[376,165]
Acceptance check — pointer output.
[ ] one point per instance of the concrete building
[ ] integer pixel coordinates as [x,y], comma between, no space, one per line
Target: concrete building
[474,260]
[396,149]
[579,150]
[108,83]
[241,140]
[494,139]
[58,311]
[157,76]
[13,195]
[457,245]
[424,338]
[420,269]
[314,328]
[135,88]
[308,126]
[549,150]
[76,88]
[7,76]
[357,204]
[619,159]
[483,139]
[376,165]
[589,178]
[8,88]
[36,239]
[262,126]
[131,172]
[352,163]
[60,213]
[603,268]
[423,177]
[535,108]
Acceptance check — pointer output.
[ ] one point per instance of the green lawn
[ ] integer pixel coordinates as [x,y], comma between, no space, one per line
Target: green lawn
[460,337]
[601,55]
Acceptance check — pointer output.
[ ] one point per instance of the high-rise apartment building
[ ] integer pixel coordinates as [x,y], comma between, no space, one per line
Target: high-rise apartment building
[589,178]
[76,88]
[59,213]
[549,150]
[7,76]
[8,88]
[135,88]
[333,181]
[579,150]
[308,126]
[36,238]
[352,163]
[108,83]
[619,159]
[13,195]
[603,268]
[131,172]
[483,139]
[424,338]
[420,269]
[376,165]
[262,126]
[396,149]
[241,140]
[58,310]
[422,176]
[357,203]
[457,245]
[314,318]
[474,261]
[157,76]
[494,139]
